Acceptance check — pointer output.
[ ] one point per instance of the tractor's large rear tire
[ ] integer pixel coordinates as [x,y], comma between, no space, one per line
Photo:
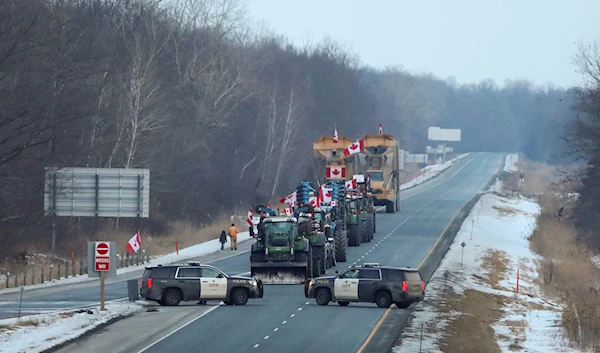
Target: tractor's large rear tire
[353,235]
[341,243]
[389,207]
[364,230]
[370,227]
[319,260]
[374,223]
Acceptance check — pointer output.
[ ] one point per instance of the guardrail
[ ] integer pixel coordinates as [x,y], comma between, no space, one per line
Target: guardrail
[61,269]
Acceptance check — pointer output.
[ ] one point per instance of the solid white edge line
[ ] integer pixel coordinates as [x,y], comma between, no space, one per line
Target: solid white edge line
[179,328]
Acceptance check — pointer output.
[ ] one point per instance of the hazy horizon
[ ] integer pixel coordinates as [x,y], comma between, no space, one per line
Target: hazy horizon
[467,40]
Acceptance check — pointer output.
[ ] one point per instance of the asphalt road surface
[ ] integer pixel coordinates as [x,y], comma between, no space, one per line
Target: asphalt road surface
[285,321]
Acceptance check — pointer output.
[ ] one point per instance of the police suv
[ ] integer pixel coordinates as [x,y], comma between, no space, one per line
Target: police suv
[369,283]
[170,284]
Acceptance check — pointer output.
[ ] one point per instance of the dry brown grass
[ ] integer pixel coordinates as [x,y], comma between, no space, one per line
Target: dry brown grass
[539,177]
[567,272]
[496,262]
[471,331]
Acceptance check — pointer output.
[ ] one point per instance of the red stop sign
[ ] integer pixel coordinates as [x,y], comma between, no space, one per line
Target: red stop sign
[102,248]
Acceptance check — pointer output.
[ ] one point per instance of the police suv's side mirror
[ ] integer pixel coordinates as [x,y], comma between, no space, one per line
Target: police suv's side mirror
[219,276]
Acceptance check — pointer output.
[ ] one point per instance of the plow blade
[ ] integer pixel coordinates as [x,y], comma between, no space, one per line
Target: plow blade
[280,272]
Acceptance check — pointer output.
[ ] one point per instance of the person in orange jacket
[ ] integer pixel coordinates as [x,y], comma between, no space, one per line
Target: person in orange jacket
[233,232]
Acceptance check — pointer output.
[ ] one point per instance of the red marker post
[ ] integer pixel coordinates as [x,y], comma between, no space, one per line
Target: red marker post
[177,245]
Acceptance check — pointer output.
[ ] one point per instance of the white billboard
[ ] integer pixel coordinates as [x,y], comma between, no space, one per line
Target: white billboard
[97,192]
[438,134]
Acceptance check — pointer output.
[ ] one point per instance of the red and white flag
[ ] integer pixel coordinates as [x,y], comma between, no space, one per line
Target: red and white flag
[351,184]
[313,201]
[249,219]
[289,211]
[325,194]
[356,147]
[290,199]
[335,172]
[135,243]
[333,203]
[380,129]
[335,135]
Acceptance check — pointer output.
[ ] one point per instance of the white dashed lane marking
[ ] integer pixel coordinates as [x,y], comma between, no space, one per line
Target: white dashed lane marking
[266,337]
[276,329]
[284,322]
[256,345]
[299,309]
[292,315]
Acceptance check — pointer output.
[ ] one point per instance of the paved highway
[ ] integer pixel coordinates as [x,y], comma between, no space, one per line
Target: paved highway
[285,321]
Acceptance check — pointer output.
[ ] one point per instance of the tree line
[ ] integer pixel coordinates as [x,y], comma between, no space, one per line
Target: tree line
[221,111]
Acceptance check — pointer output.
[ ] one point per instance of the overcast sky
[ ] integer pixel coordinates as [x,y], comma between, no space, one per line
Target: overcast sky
[469,40]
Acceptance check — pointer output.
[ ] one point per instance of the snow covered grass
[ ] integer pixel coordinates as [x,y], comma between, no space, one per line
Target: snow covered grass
[431,171]
[476,309]
[37,333]
[190,252]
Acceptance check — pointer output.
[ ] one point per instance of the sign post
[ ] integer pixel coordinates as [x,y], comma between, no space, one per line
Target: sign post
[102,255]
[102,264]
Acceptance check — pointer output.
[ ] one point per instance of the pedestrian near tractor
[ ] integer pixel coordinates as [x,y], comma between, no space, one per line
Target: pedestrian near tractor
[223,239]
[233,232]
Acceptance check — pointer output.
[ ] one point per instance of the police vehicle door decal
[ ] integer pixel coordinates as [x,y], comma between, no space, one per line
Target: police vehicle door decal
[346,288]
[212,287]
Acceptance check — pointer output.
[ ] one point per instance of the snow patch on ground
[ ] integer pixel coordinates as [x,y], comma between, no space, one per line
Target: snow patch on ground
[431,171]
[503,225]
[37,333]
[510,162]
[191,252]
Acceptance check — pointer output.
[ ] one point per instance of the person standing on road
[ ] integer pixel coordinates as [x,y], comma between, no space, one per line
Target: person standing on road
[223,239]
[233,232]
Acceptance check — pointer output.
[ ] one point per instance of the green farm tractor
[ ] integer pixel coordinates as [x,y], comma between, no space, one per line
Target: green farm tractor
[280,254]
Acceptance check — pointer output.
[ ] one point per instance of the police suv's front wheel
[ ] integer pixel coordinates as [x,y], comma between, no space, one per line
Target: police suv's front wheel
[323,296]
[239,296]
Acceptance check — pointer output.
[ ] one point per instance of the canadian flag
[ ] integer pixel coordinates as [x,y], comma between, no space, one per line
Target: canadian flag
[325,194]
[313,201]
[356,147]
[135,243]
[290,199]
[336,172]
[380,129]
[335,135]
[249,219]
[351,184]
[288,211]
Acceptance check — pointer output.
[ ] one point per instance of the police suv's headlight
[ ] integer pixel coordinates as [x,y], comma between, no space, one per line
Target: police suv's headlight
[254,283]
[312,282]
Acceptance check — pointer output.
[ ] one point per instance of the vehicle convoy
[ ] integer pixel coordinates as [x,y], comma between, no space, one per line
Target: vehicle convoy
[382,165]
[280,255]
[170,284]
[306,228]
[333,168]
[323,223]
[369,283]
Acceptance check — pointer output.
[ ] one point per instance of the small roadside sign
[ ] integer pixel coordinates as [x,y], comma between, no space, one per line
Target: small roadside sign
[102,256]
